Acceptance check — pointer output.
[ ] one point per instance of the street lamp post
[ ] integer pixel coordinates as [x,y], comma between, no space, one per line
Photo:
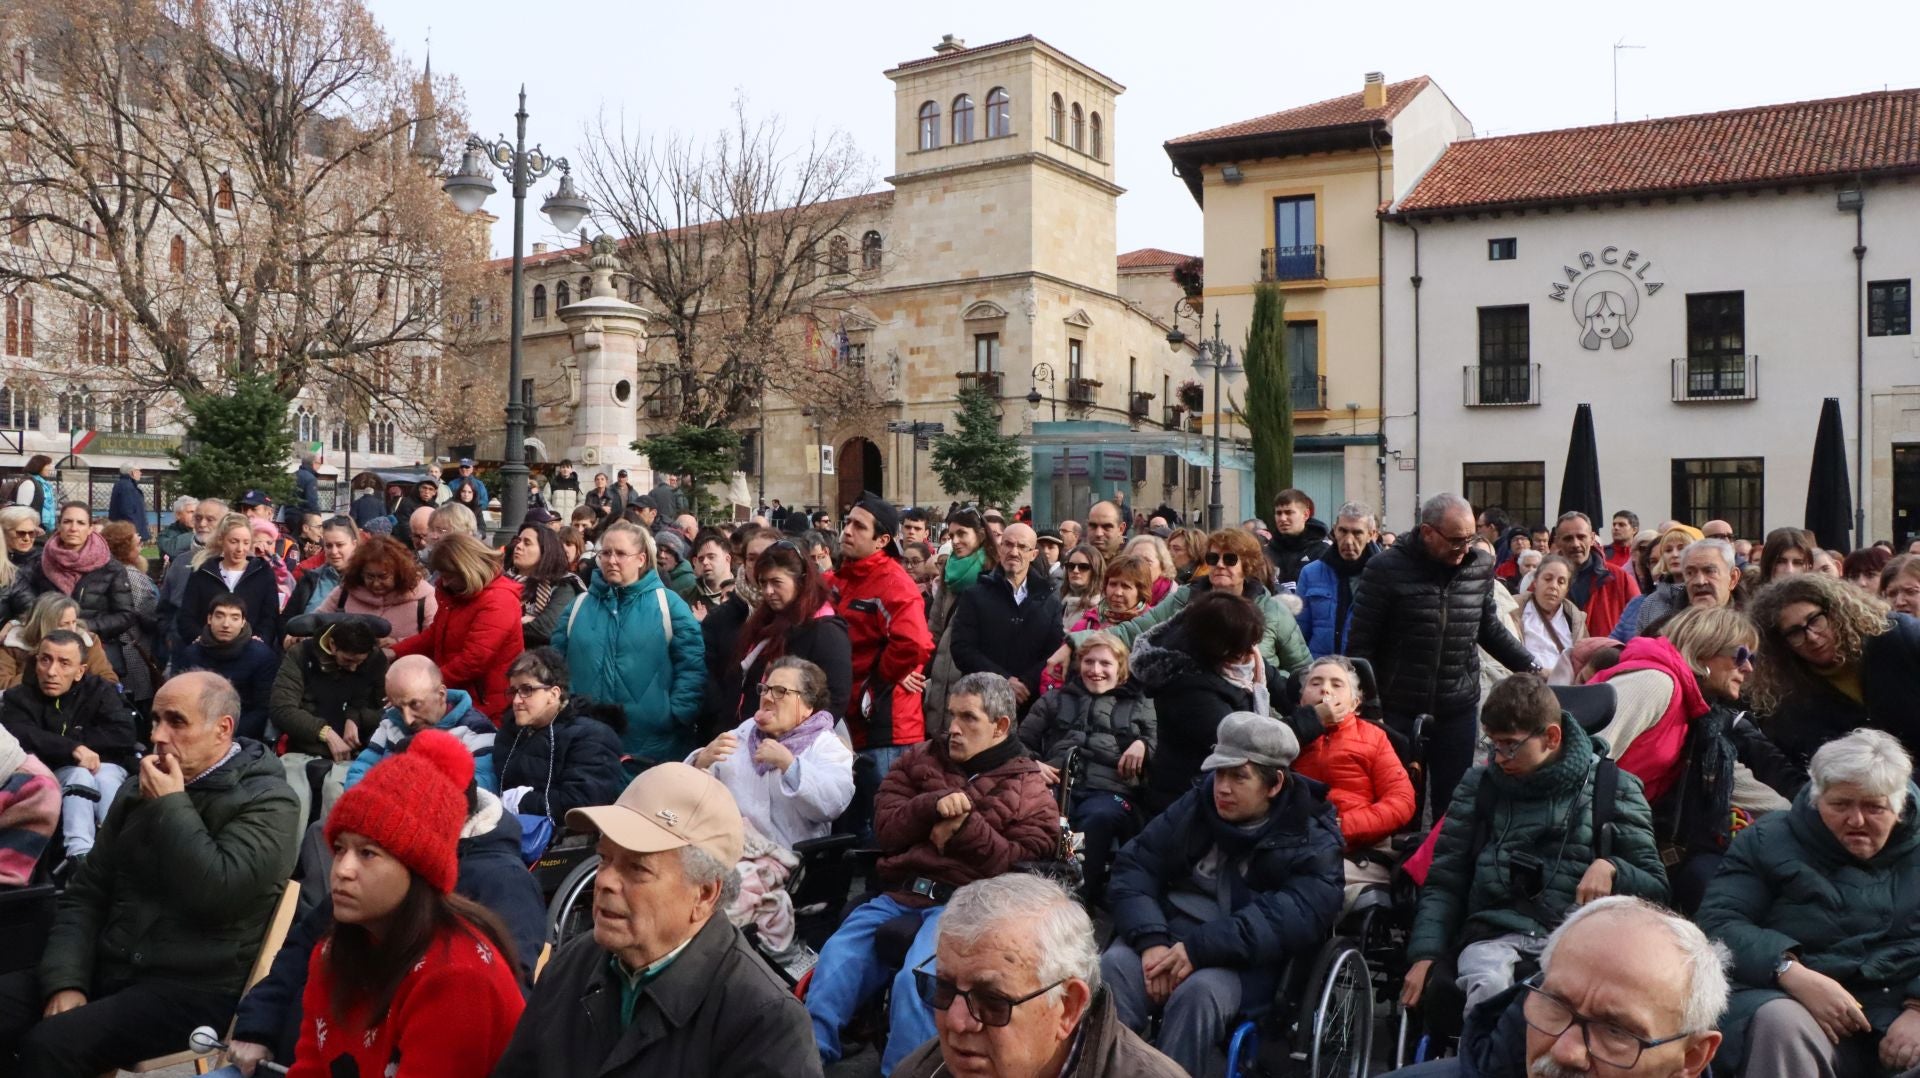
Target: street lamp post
[1043,372]
[1216,356]
[469,187]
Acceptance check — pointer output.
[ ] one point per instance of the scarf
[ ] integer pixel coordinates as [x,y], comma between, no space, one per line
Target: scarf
[1110,616]
[960,573]
[796,740]
[1241,674]
[227,652]
[988,758]
[63,568]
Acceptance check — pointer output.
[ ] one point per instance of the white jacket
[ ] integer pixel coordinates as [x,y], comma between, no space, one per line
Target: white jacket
[800,803]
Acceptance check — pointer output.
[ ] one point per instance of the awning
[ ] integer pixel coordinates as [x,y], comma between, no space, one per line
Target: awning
[1196,449]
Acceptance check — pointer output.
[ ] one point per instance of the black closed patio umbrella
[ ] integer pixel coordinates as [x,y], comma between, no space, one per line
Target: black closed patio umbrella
[1829,493]
[1580,486]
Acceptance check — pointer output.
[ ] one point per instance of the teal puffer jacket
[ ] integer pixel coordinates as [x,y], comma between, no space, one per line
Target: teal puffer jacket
[1547,815]
[620,651]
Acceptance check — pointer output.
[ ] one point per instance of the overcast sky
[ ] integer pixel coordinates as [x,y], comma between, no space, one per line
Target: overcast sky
[1187,66]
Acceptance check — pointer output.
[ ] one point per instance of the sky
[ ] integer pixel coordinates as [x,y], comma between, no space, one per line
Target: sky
[1510,67]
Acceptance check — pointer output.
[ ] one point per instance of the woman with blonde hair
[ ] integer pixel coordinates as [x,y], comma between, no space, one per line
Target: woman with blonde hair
[475,634]
[227,566]
[1185,546]
[19,638]
[1159,559]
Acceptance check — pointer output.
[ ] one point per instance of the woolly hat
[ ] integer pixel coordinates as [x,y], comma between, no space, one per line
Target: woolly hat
[413,805]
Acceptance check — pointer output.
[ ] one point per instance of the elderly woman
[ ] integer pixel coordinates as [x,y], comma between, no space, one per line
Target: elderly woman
[1159,558]
[1546,621]
[1837,659]
[1669,591]
[20,529]
[1816,905]
[563,752]
[383,580]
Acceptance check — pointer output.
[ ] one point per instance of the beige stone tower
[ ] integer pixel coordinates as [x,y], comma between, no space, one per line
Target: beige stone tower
[604,369]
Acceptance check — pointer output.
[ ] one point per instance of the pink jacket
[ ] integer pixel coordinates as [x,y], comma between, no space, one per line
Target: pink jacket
[29,815]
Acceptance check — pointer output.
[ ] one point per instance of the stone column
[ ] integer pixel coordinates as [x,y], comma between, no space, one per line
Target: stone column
[603,374]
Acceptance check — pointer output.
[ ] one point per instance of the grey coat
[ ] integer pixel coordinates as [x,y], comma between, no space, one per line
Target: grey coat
[1101,727]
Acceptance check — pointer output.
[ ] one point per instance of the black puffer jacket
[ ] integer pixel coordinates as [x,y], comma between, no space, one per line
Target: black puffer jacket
[1190,702]
[1419,622]
[1103,728]
[91,713]
[105,596]
[1291,553]
[571,764]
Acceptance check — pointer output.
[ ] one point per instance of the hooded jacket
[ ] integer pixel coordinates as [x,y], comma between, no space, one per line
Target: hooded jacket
[1103,728]
[311,692]
[257,589]
[1288,554]
[408,614]
[1014,818]
[473,729]
[887,629]
[620,651]
[473,639]
[180,887]
[91,713]
[1189,702]
[573,763]
[995,634]
[1282,895]
[1325,587]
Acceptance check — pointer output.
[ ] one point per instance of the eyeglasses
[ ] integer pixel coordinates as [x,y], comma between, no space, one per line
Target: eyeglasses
[1072,566]
[1453,544]
[1507,750]
[1227,558]
[1607,1043]
[987,1008]
[1796,634]
[615,555]
[24,533]
[777,693]
[519,692]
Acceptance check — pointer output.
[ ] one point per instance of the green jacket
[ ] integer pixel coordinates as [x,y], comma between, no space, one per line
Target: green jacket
[1281,643]
[1788,885]
[684,583]
[1548,815]
[179,888]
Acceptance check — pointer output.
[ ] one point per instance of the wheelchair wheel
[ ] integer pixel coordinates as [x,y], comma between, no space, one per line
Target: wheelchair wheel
[1342,1017]
[571,911]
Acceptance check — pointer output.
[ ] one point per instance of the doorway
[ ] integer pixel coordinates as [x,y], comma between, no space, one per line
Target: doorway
[1906,495]
[861,472]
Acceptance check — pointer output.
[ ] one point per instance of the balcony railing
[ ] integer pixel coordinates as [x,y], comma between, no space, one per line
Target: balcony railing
[1140,405]
[1310,394]
[1501,385]
[1293,263]
[1082,390]
[988,381]
[1716,378]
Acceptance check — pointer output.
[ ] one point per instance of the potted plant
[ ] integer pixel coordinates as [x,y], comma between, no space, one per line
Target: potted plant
[1192,397]
[1190,275]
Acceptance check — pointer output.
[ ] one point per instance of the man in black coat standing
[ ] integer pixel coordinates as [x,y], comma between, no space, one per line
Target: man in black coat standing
[1010,621]
[1421,610]
[1299,537]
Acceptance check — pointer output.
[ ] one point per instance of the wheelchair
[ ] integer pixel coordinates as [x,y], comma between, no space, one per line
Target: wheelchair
[1320,1023]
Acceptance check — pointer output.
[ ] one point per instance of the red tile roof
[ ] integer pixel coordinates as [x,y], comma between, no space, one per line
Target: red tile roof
[1334,112]
[1151,258]
[1793,143]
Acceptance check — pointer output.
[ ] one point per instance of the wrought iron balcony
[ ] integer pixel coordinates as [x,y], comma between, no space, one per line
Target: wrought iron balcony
[1310,394]
[1500,385]
[1698,379]
[1082,390]
[1305,263]
[987,381]
[1140,405]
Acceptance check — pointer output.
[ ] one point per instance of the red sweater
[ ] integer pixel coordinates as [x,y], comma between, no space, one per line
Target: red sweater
[1364,781]
[894,634]
[451,1018]
[473,641]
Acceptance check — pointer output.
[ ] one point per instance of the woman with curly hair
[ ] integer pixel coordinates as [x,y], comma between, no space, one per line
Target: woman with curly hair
[1837,659]
[383,579]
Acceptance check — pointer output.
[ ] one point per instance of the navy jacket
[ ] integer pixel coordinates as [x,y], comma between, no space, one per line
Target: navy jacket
[250,664]
[257,590]
[571,764]
[129,503]
[992,633]
[306,486]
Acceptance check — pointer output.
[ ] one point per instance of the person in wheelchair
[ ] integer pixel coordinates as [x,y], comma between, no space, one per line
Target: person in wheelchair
[77,724]
[563,752]
[1111,722]
[420,700]
[1530,836]
[327,697]
[949,812]
[1355,760]
[1209,902]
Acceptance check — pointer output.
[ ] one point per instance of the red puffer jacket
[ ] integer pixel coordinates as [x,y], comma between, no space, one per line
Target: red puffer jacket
[1014,819]
[1364,779]
[472,641]
[886,620]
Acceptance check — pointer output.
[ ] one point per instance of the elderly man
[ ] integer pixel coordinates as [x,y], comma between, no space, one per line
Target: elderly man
[77,724]
[1069,534]
[419,524]
[665,985]
[1598,589]
[666,495]
[688,526]
[1625,988]
[950,812]
[1710,572]
[1421,611]
[128,502]
[1325,585]
[177,536]
[1239,875]
[157,931]
[1010,621]
[1717,529]
[1106,530]
[173,587]
[419,700]
[1016,993]
[306,484]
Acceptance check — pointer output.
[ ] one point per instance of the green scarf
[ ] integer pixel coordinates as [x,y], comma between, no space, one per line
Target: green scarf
[962,572]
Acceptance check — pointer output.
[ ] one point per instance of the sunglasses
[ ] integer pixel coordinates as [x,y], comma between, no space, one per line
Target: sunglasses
[1227,558]
[1742,656]
[987,1008]
[1072,566]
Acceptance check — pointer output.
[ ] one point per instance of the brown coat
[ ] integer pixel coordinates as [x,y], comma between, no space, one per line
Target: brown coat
[16,658]
[1108,1050]
[1014,819]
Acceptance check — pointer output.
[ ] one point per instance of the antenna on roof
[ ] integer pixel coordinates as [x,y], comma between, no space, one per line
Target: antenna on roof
[1617,46]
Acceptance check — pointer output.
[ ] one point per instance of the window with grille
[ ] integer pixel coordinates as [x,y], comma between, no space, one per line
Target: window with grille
[1889,308]
[1517,486]
[1721,488]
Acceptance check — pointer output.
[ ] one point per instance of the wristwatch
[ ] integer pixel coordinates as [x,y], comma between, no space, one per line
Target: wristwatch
[1780,970]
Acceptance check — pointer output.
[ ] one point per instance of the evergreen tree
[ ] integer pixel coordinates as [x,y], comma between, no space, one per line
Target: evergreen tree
[236,442]
[706,455]
[1269,411]
[975,460]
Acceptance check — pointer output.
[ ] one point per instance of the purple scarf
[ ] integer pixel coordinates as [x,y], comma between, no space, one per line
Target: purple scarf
[797,740]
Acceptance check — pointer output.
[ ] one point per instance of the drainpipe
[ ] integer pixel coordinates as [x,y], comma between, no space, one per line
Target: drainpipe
[1380,315]
[1419,459]
[1859,369]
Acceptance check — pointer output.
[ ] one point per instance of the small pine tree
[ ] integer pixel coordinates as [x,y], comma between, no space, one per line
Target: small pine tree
[236,442]
[706,455]
[1269,411]
[975,460]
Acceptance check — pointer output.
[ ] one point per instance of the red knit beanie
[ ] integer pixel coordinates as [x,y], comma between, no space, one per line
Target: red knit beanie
[413,805]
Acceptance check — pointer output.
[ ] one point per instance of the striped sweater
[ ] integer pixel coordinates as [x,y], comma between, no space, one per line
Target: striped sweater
[29,815]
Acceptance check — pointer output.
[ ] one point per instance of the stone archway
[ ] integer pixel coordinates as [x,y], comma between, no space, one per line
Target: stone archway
[861,470]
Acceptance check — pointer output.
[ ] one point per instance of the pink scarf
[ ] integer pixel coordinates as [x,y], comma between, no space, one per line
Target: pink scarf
[63,568]
[1656,756]
[796,740]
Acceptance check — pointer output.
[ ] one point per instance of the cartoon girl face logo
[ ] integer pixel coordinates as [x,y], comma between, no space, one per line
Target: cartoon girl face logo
[1605,304]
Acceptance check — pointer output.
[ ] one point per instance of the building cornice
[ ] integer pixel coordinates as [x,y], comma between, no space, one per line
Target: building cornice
[1030,157]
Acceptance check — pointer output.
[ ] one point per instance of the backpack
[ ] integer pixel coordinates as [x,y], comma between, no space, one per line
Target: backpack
[1606,788]
[666,612]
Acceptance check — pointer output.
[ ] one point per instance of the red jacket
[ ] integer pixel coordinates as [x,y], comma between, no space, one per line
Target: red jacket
[1014,818]
[472,640]
[1617,554]
[302,569]
[886,623]
[1364,780]
[452,1015]
[1607,592]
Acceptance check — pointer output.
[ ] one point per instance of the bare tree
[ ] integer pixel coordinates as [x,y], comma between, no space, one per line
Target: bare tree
[744,250]
[223,188]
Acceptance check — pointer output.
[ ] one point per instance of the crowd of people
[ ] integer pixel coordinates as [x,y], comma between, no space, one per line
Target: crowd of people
[1118,774]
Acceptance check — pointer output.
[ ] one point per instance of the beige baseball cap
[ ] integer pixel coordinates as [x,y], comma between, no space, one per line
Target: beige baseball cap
[669,806]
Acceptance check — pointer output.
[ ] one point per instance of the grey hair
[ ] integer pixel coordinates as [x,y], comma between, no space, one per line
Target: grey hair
[185,501]
[813,680]
[217,503]
[16,515]
[996,696]
[1725,548]
[457,518]
[127,468]
[1057,925]
[702,868]
[1706,960]
[1571,514]
[1869,759]
[1440,506]
[1358,511]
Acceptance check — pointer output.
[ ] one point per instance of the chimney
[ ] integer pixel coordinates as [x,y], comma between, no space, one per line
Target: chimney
[1374,94]
[539,248]
[949,43]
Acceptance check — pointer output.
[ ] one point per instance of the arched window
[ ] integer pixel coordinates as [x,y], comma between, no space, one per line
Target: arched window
[562,295]
[837,255]
[999,113]
[1079,128]
[474,308]
[1097,132]
[177,255]
[127,416]
[586,288]
[19,408]
[177,328]
[304,425]
[223,198]
[22,234]
[539,301]
[77,412]
[870,251]
[929,126]
[962,119]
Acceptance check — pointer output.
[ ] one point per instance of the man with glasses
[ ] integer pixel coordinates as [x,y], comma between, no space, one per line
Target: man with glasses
[1421,611]
[1015,990]
[1010,620]
[1545,826]
[1326,583]
[1625,988]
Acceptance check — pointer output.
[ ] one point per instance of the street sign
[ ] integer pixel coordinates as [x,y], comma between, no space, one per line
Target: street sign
[826,460]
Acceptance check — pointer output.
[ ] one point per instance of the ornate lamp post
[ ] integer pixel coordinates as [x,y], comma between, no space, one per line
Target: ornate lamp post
[1216,356]
[468,187]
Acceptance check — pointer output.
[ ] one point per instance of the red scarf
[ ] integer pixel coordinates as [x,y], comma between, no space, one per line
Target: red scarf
[1657,755]
[63,568]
